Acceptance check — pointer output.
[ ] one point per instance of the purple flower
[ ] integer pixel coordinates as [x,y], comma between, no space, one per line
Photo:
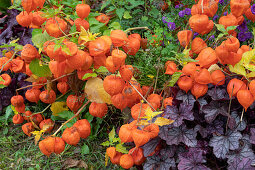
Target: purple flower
[215,17]
[212,38]
[253,9]
[178,6]
[181,13]
[243,27]
[171,26]
[221,1]
[164,19]
[225,13]
[187,11]
[243,36]
[195,35]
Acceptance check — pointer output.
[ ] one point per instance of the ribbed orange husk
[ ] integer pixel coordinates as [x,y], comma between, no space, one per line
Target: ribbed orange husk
[83,127]
[111,67]
[126,161]
[71,136]
[185,83]
[155,99]
[137,109]
[119,101]
[199,90]
[103,18]
[32,95]
[113,84]
[98,109]
[232,44]
[200,24]
[184,37]
[238,7]
[207,57]
[197,45]
[132,46]
[137,154]
[203,76]
[250,15]
[46,97]
[119,38]
[171,68]
[228,20]
[252,88]
[125,133]
[245,98]
[152,129]
[234,86]
[189,69]
[140,137]
[126,72]
[168,102]
[54,27]
[218,77]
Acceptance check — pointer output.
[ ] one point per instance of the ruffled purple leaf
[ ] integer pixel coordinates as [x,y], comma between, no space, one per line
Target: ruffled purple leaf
[149,147]
[213,109]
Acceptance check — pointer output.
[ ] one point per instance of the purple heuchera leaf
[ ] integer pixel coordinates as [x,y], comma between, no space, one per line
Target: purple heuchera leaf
[149,147]
[201,102]
[241,164]
[218,94]
[213,109]
[159,163]
[222,144]
[184,112]
[241,125]
[252,137]
[173,136]
[193,160]
[185,98]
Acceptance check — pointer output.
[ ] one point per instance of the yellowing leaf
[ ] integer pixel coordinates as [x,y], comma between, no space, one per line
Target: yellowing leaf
[106,159]
[150,76]
[32,78]
[58,107]
[87,36]
[161,121]
[95,91]
[14,41]
[248,60]
[47,126]
[143,123]
[149,114]
[38,135]
[213,68]
[14,110]
[251,74]
[121,148]
[238,69]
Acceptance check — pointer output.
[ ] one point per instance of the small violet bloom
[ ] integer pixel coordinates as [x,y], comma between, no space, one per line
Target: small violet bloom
[243,36]
[243,27]
[215,17]
[221,1]
[187,11]
[253,9]
[212,38]
[225,13]
[181,13]
[171,26]
[164,19]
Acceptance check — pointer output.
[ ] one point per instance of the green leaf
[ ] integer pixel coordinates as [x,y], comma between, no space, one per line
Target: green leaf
[220,36]
[115,25]
[231,28]
[38,69]
[121,148]
[175,78]
[120,12]
[221,28]
[2,86]
[40,38]
[144,18]
[106,143]
[238,69]
[105,4]
[84,149]
[116,140]
[89,117]
[127,15]
[65,115]
[8,113]
[112,135]
[91,75]
[102,69]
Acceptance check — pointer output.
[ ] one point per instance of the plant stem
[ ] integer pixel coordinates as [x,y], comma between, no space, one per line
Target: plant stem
[138,28]
[8,61]
[229,107]
[141,96]
[63,124]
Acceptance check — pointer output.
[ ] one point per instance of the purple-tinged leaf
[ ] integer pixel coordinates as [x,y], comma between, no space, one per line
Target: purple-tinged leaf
[252,137]
[217,127]
[192,160]
[222,144]
[218,94]
[213,109]
[149,147]
[185,98]
[202,102]
[243,152]
[156,162]
[184,112]
[241,125]
[178,134]
[169,151]
[203,132]
[241,164]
